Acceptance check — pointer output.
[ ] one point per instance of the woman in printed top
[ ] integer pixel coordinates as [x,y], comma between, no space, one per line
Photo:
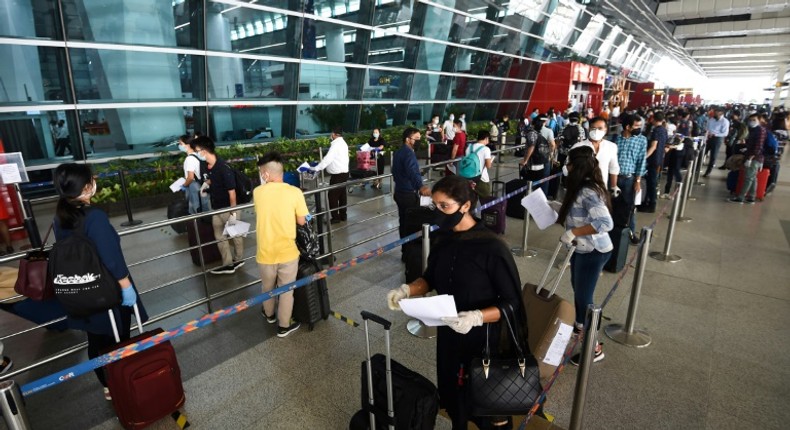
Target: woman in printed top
[377,142]
[75,185]
[585,214]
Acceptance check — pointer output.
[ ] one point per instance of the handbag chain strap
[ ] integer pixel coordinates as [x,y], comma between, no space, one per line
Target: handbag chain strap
[522,362]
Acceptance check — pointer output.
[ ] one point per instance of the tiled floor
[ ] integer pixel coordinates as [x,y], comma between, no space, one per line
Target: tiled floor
[719,357]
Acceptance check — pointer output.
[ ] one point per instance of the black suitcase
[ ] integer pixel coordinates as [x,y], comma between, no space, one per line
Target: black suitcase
[621,237]
[514,208]
[178,209]
[311,302]
[210,250]
[414,398]
[495,217]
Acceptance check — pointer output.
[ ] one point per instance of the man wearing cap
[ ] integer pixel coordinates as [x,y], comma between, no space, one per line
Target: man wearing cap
[718,128]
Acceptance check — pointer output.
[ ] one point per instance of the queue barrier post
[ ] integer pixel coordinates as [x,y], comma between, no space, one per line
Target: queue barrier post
[665,255]
[415,326]
[12,406]
[627,334]
[585,364]
[523,250]
[29,221]
[126,203]
[202,264]
[684,196]
[392,177]
[690,179]
[703,147]
[328,225]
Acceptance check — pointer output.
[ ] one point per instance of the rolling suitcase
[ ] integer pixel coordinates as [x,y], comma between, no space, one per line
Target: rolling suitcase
[547,313]
[621,237]
[311,302]
[393,396]
[210,250]
[495,217]
[513,207]
[762,183]
[146,386]
[177,209]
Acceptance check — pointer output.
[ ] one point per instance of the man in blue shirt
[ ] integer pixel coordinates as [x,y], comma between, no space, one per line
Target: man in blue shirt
[631,150]
[407,177]
[718,129]
[655,162]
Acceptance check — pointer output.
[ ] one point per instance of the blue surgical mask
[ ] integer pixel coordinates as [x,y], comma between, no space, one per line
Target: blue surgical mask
[200,157]
[375,135]
[182,148]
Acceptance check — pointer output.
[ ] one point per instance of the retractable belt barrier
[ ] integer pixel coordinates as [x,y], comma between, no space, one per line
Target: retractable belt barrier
[515,192]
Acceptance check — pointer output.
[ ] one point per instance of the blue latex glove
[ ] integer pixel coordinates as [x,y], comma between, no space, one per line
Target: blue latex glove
[129,296]
[183,188]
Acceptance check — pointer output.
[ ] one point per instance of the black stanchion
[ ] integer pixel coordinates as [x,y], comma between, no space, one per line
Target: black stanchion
[31,226]
[126,203]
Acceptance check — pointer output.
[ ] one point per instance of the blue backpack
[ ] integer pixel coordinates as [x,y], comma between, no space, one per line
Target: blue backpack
[771,144]
[469,166]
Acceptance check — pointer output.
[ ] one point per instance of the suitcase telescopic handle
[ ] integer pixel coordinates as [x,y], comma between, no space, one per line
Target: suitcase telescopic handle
[373,317]
[542,283]
[114,325]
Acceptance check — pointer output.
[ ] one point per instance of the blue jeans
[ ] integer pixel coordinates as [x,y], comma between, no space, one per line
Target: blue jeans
[750,180]
[585,270]
[195,200]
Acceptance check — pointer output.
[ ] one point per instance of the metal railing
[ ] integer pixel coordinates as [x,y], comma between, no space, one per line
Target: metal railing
[208,298]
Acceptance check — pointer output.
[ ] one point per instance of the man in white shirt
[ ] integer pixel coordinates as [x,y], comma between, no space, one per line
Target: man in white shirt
[336,164]
[483,184]
[462,117]
[449,131]
[718,129]
[605,153]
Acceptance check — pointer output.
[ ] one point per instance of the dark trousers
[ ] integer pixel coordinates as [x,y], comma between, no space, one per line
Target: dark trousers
[585,271]
[338,198]
[623,206]
[61,145]
[405,200]
[714,144]
[651,187]
[98,344]
[675,162]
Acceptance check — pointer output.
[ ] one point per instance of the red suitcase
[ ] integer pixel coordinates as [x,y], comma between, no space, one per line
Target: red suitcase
[762,183]
[146,386]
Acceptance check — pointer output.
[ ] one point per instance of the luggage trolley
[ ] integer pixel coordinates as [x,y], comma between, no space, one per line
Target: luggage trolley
[367,167]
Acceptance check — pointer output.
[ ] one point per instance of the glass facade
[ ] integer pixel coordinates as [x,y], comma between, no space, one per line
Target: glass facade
[123,77]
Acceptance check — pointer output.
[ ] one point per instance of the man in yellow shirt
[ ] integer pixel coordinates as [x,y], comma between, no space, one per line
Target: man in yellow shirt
[279,207]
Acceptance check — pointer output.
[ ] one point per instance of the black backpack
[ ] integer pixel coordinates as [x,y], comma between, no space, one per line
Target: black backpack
[82,283]
[203,170]
[540,155]
[243,186]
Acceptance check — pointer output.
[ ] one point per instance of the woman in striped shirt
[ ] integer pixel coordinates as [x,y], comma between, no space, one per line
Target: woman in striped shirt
[585,214]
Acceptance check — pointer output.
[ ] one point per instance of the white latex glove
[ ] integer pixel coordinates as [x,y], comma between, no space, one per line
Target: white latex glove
[568,237]
[464,321]
[747,163]
[555,205]
[396,295]
[203,189]
[615,191]
[232,219]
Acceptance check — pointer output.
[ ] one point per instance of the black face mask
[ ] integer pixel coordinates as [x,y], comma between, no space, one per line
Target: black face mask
[636,132]
[446,222]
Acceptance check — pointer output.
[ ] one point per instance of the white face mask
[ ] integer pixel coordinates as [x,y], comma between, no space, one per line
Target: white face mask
[263,180]
[452,117]
[597,135]
[436,121]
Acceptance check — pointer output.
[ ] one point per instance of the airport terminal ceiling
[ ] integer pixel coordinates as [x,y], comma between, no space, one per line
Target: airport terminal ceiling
[138,73]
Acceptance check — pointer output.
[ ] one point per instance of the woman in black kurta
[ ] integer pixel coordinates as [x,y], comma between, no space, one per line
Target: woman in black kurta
[473,265]
[75,186]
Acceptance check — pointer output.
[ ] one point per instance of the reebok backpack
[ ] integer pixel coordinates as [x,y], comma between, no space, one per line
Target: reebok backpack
[82,283]
[243,187]
[469,166]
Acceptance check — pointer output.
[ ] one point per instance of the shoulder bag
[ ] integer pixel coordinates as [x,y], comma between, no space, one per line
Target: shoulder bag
[32,280]
[503,386]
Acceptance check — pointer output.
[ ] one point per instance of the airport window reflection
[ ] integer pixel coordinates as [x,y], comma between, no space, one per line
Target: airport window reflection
[245,30]
[244,78]
[158,23]
[245,123]
[41,136]
[30,74]
[30,19]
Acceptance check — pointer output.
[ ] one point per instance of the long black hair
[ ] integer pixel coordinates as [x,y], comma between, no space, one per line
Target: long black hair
[583,172]
[70,180]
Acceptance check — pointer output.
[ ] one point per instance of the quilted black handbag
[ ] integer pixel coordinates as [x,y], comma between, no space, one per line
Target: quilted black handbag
[503,386]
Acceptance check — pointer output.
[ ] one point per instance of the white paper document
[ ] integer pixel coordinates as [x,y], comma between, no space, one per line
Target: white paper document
[9,173]
[638,198]
[430,310]
[304,167]
[426,201]
[176,186]
[239,229]
[538,207]
[557,348]
[364,148]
